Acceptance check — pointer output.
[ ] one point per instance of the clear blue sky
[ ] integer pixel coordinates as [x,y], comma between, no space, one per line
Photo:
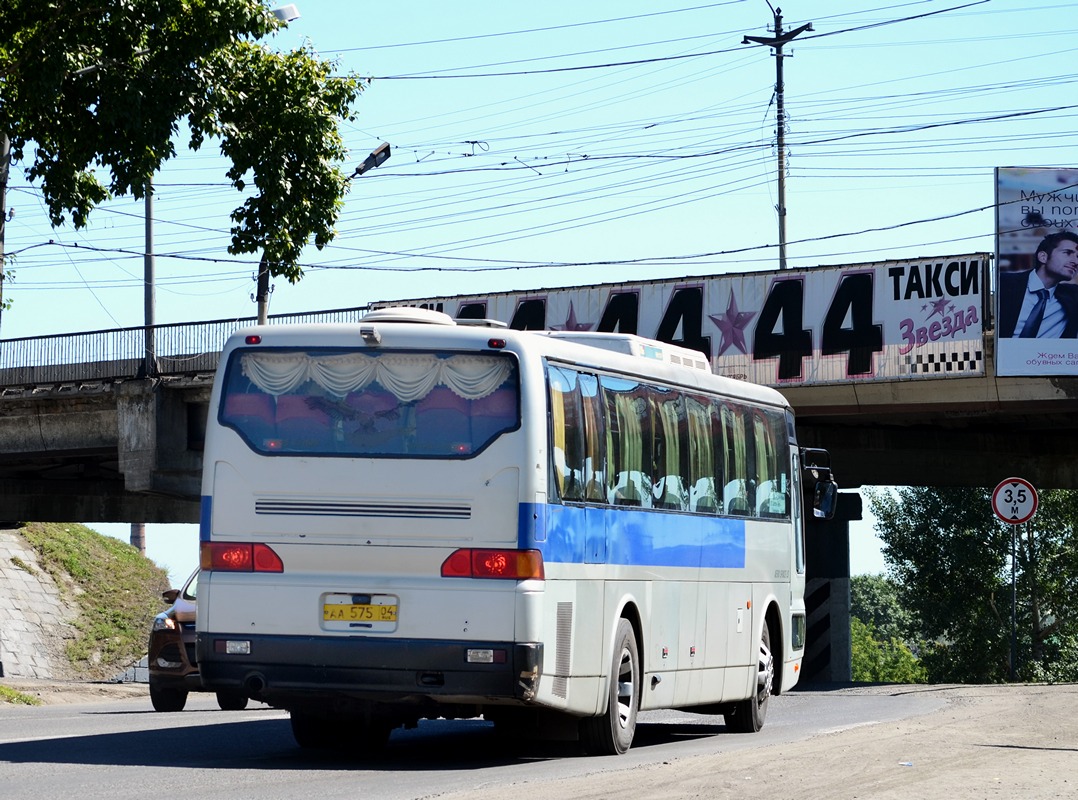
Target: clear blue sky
[548,144]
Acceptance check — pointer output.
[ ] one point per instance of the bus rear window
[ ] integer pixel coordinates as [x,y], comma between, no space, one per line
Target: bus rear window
[390,404]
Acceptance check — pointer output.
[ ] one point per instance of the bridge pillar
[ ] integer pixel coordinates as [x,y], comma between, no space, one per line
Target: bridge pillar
[827,595]
[136,421]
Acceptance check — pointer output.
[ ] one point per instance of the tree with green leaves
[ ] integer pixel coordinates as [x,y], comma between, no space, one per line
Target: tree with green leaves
[878,659]
[882,631]
[874,600]
[950,559]
[93,94]
[1048,587]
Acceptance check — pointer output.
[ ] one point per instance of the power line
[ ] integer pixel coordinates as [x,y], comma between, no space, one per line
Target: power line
[498,265]
[440,74]
[545,29]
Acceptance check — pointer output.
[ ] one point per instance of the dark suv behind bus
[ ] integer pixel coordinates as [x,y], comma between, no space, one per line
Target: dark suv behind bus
[172,664]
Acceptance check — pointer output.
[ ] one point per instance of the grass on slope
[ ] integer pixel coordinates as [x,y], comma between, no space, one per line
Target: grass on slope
[17,698]
[116,589]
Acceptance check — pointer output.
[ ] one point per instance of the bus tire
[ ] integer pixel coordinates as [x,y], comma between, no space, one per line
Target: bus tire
[231,701]
[167,700]
[358,737]
[612,732]
[311,731]
[748,716]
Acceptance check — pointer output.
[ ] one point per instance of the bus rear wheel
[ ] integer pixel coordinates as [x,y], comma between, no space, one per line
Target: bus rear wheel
[612,733]
[231,701]
[749,715]
[358,737]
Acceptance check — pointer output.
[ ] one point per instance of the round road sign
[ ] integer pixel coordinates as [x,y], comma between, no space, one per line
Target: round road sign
[1015,501]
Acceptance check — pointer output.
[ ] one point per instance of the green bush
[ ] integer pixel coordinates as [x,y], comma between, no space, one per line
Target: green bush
[882,662]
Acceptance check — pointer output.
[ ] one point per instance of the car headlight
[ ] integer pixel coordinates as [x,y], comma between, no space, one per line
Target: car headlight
[163,622]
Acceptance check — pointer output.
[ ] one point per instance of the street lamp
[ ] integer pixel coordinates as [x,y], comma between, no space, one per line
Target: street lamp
[286,13]
[378,156]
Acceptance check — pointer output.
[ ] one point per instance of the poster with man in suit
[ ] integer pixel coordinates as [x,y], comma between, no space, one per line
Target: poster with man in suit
[1037,271]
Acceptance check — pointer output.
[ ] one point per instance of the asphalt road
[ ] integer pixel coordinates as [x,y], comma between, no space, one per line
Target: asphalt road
[121,749]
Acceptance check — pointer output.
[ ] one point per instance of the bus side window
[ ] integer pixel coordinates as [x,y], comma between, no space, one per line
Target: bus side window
[737,501]
[666,421]
[772,474]
[701,474]
[566,440]
[738,493]
[594,439]
[628,442]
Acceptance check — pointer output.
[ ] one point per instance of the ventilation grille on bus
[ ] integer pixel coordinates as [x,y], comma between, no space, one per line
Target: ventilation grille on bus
[563,660]
[362,509]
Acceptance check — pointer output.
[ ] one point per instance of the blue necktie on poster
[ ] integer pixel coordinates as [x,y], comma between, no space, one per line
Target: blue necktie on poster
[1029,330]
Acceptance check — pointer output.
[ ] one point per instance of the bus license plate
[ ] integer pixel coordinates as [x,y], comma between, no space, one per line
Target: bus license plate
[359,612]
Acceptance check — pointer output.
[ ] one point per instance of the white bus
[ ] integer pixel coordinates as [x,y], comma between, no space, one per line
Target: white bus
[412,518]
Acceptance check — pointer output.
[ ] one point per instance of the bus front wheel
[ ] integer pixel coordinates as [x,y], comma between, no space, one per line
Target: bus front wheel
[612,732]
[748,715]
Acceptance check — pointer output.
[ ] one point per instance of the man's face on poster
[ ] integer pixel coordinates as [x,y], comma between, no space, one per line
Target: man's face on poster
[1062,263]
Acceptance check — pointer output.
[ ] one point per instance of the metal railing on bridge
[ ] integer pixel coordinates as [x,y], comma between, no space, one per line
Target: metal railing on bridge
[161,350]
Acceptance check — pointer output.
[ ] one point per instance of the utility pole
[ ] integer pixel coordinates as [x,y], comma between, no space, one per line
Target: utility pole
[776,42]
[149,303]
[5,163]
[138,536]
[262,290]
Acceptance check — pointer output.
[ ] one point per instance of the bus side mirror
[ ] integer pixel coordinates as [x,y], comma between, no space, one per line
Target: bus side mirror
[825,499]
[816,464]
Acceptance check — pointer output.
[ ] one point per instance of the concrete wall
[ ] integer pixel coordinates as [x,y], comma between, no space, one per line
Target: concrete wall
[35,622]
[827,595]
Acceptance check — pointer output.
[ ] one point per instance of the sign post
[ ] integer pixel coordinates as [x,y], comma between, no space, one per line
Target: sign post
[1014,501]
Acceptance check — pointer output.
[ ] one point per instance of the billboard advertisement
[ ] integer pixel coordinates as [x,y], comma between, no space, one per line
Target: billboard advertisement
[893,320]
[1037,271]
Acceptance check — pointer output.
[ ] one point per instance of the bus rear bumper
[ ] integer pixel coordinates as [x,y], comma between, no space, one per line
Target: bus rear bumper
[287,671]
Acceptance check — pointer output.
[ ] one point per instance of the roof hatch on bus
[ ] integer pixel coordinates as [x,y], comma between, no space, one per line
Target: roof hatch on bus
[408,314]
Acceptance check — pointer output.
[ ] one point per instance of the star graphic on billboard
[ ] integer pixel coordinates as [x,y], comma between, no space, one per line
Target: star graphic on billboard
[571,324]
[732,326]
[938,307]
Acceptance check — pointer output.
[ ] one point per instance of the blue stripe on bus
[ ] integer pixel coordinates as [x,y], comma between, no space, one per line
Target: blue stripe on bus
[204,518]
[598,535]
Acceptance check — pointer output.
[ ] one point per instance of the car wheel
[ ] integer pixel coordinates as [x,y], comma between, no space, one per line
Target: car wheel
[231,701]
[167,700]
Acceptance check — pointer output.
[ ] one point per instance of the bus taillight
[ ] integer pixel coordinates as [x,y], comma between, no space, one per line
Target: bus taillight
[239,557]
[516,565]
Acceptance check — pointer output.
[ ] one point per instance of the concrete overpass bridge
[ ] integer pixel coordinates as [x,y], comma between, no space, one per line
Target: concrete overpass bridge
[91,429]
